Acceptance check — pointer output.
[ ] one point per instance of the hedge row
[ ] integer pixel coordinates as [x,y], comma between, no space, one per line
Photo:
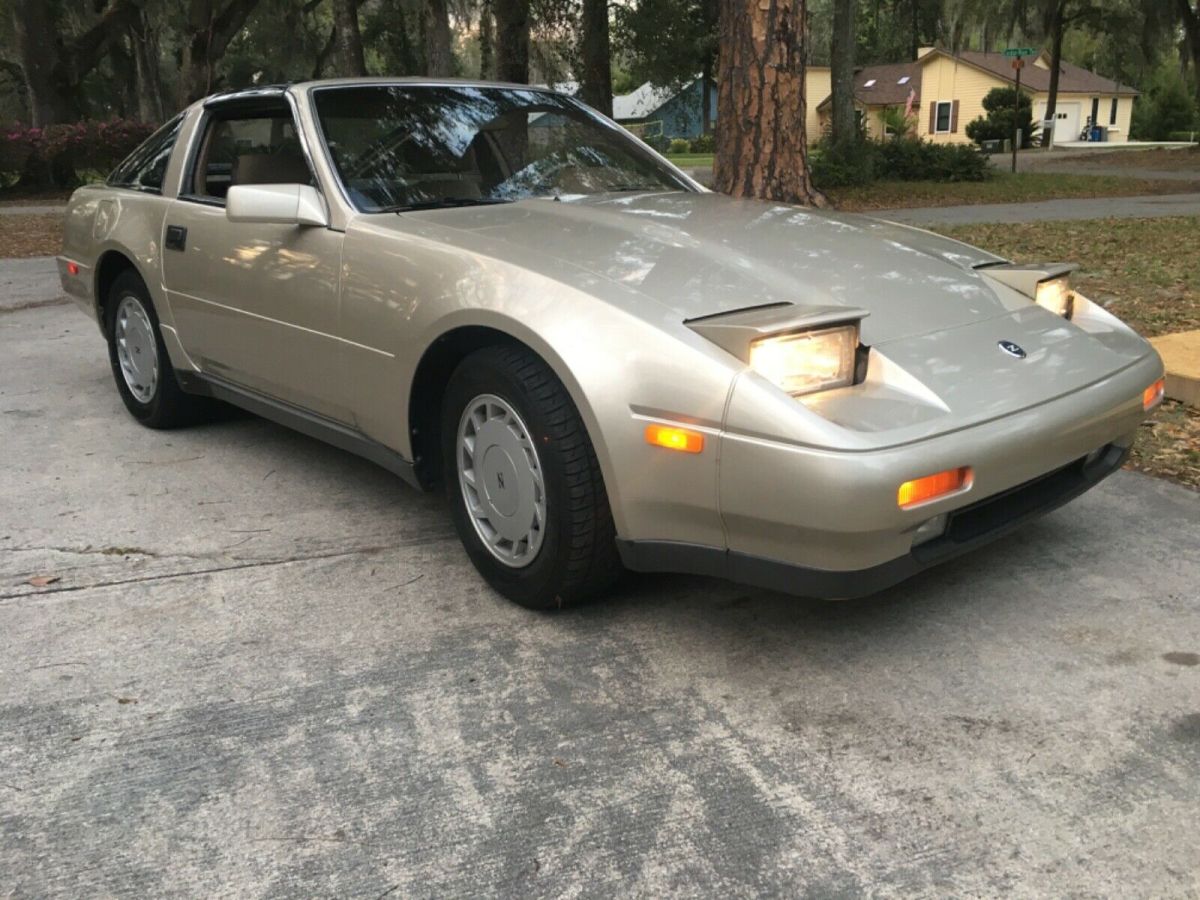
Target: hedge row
[895,159]
[59,153]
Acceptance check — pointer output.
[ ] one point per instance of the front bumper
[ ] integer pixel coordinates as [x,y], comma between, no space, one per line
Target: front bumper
[824,523]
[966,528]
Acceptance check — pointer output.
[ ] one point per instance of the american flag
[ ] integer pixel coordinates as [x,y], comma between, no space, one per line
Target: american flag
[908,106]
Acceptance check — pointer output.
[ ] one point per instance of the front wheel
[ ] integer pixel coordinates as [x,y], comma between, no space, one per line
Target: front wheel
[524,485]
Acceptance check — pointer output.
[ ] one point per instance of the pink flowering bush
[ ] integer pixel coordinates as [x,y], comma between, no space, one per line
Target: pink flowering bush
[64,151]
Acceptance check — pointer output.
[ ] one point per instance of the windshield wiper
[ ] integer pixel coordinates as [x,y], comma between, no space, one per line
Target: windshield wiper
[444,203]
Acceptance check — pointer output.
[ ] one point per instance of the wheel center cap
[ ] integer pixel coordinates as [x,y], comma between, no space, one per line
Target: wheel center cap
[500,480]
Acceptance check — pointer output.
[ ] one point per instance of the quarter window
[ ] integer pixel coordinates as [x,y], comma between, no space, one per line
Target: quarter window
[145,167]
[942,120]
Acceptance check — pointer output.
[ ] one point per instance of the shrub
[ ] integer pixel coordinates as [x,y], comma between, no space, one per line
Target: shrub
[842,165]
[998,124]
[706,143]
[679,145]
[911,159]
[58,153]
[1193,136]
[895,159]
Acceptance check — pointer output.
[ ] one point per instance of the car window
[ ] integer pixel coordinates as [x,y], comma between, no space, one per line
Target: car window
[404,145]
[253,149]
[145,168]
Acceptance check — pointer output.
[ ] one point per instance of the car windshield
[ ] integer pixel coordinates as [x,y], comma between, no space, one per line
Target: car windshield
[398,147]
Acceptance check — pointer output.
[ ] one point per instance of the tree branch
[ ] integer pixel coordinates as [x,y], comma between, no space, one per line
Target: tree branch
[85,52]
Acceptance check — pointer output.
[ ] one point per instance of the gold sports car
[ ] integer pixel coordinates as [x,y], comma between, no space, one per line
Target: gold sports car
[494,289]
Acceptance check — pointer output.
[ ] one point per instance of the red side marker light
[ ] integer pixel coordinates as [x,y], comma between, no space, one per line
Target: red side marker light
[72,268]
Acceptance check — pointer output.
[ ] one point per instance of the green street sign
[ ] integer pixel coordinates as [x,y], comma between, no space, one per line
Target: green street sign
[1019,51]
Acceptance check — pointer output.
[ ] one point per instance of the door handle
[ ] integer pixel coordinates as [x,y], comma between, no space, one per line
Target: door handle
[176,237]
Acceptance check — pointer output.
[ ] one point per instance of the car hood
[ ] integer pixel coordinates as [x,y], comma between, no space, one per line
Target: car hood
[706,254]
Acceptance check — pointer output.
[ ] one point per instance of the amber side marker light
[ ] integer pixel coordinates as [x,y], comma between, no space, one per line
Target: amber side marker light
[1153,395]
[674,438]
[922,490]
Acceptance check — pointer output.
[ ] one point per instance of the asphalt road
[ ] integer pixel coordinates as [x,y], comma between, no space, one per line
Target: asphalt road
[265,668]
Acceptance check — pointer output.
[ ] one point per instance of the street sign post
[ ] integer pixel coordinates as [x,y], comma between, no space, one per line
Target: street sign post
[1018,62]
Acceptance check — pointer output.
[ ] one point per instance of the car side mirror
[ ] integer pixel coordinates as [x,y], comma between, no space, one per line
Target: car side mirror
[276,204]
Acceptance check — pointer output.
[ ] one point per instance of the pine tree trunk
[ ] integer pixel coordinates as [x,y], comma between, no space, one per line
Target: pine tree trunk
[439,61]
[512,40]
[596,89]
[841,58]
[761,143]
[347,38]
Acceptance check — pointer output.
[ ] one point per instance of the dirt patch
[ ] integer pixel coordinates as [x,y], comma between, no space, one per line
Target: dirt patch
[24,236]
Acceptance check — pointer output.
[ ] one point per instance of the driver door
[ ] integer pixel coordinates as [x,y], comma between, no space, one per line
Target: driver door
[255,304]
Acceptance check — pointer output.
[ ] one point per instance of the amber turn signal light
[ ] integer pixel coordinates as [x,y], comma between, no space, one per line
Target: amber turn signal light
[1153,395]
[674,438]
[922,490]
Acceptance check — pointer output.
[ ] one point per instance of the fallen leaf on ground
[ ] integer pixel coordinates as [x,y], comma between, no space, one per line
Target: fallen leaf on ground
[42,580]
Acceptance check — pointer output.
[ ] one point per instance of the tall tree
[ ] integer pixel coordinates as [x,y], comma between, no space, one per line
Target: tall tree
[1189,16]
[54,61]
[841,60]
[596,57]
[145,48]
[207,30]
[512,40]
[669,42]
[487,40]
[762,148]
[347,39]
[439,60]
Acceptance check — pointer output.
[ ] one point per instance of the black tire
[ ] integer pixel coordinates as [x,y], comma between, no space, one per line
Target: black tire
[577,559]
[167,406]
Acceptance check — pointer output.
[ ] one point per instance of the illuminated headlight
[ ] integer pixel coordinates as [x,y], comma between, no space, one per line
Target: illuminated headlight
[1055,295]
[808,361]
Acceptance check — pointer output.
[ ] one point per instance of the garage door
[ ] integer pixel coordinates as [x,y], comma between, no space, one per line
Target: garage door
[1066,121]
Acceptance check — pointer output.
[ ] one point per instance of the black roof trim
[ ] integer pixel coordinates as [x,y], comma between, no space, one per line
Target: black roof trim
[259,92]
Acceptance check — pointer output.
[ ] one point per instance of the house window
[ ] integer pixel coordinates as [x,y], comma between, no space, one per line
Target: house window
[941,123]
[1112,112]
[1095,119]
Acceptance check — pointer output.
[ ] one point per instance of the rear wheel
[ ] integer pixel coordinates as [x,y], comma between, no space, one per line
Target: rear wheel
[140,364]
[524,485]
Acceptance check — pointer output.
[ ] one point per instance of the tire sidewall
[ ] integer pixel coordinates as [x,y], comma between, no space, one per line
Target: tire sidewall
[126,285]
[529,584]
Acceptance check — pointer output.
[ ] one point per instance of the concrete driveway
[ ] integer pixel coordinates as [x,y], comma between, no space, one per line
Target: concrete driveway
[267,669]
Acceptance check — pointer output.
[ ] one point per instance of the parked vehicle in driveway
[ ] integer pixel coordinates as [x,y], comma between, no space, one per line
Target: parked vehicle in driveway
[493,289]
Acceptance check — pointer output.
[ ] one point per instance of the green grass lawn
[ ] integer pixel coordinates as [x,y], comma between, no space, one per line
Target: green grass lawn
[691,160]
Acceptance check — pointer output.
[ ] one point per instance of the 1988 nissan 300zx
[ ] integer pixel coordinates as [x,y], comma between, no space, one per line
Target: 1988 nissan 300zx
[495,289]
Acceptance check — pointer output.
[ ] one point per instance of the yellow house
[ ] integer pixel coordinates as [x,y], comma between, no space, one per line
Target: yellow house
[945,91]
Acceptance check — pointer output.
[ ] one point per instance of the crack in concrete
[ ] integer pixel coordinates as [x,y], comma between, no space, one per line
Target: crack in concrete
[233,567]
